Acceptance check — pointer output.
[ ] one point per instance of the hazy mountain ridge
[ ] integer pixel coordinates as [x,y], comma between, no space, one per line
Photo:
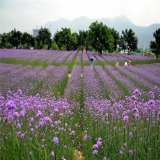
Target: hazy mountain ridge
[144,34]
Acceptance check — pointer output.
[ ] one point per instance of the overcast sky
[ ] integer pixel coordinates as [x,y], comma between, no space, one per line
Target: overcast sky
[26,14]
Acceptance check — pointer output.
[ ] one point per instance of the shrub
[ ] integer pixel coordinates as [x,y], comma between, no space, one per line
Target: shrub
[54,46]
[45,47]
[8,46]
[63,48]
[80,47]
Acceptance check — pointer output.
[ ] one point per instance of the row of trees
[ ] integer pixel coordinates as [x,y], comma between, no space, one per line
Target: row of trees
[99,37]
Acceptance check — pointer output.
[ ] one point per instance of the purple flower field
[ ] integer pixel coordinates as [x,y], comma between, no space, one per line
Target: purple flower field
[101,112]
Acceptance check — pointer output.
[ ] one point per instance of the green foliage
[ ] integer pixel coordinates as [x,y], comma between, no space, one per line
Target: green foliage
[100,37]
[73,43]
[54,46]
[44,37]
[56,39]
[63,48]
[155,45]
[138,50]
[132,53]
[128,40]
[28,39]
[116,37]
[25,46]
[8,46]
[14,37]
[3,40]
[80,47]
[45,47]
[119,49]
[148,55]
[66,38]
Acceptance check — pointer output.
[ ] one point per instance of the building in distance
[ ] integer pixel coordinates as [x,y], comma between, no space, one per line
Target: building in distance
[35,32]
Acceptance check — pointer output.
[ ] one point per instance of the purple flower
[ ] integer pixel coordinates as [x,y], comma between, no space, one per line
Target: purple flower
[52,153]
[85,137]
[31,129]
[99,143]
[130,152]
[22,136]
[55,140]
[95,152]
[104,158]
[125,144]
[30,153]
[140,139]
[125,118]
[130,135]
[72,133]
[95,146]
[137,116]
[147,119]
[121,153]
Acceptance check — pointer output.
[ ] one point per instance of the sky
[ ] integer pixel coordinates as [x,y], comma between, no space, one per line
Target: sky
[25,15]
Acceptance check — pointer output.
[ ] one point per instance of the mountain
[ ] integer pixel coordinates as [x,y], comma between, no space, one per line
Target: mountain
[144,34]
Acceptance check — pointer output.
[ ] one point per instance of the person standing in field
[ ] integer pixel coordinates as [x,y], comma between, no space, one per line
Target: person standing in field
[129,64]
[117,63]
[38,51]
[125,64]
[92,63]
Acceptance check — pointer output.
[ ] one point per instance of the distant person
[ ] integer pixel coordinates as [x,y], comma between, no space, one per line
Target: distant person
[95,58]
[92,63]
[125,64]
[117,63]
[129,64]
[38,51]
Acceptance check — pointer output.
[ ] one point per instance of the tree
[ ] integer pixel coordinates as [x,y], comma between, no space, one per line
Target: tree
[100,37]
[54,46]
[128,40]
[65,37]
[44,37]
[28,39]
[138,50]
[73,42]
[3,40]
[155,45]
[116,37]
[14,37]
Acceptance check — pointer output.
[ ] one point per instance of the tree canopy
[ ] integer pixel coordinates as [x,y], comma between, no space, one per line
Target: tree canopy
[128,40]
[116,37]
[100,37]
[14,37]
[155,45]
[28,39]
[66,39]
[44,37]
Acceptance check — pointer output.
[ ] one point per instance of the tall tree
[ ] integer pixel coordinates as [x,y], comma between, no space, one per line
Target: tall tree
[3,39]
[155,45]
[14,37]
[28,39]
[100,37]
[116,37]
[56,38]
[129,40]
[66,37]
[44,37]
[73,43]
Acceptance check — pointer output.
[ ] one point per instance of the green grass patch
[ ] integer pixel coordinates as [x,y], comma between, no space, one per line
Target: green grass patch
[36,62]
